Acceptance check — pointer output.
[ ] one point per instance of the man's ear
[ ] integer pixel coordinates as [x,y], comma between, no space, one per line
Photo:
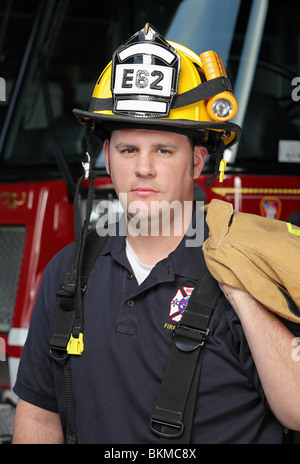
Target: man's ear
[106,155]
[200,154]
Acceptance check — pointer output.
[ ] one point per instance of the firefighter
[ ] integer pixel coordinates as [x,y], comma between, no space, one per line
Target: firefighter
[159,110]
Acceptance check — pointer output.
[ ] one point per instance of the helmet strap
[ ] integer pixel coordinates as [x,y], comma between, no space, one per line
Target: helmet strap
[219,150]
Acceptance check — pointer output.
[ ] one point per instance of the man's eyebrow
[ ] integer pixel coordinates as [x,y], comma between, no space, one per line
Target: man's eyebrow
[121,145]
[165,145]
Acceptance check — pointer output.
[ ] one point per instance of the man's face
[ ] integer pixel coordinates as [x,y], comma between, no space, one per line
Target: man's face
[149,167]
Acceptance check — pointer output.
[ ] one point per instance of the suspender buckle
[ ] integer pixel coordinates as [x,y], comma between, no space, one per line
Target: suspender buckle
[189,339]
[176,427]
[75,345]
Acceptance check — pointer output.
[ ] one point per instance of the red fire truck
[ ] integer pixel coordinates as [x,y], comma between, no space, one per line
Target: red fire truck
[51,53]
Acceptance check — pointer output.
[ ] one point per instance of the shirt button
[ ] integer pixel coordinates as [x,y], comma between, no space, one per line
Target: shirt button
[129,276]
[130,303]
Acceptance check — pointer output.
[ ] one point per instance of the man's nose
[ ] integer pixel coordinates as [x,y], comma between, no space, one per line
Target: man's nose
[144,165]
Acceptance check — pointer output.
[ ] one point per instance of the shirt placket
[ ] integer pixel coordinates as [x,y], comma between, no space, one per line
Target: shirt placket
[131,291]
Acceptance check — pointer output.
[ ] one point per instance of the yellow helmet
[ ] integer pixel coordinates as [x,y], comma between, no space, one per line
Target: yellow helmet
[163,85]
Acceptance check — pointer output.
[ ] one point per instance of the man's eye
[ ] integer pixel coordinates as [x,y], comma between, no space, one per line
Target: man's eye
[128,151]
[164,151]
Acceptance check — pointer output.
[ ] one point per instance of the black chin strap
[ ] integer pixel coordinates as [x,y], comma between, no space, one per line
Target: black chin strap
[219,156]
[80,231]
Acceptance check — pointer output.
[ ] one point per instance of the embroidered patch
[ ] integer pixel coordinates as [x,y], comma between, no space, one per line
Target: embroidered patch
[179,303]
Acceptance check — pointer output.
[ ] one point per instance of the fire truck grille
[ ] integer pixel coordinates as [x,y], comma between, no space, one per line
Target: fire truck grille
[11,250]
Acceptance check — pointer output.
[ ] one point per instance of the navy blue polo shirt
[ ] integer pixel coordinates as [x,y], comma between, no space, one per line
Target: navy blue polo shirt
[127,338]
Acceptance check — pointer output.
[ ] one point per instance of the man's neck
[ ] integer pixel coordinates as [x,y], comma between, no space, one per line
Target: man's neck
[151,250]
[151,247]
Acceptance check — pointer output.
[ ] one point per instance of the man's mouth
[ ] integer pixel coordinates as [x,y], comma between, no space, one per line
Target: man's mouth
[144,191]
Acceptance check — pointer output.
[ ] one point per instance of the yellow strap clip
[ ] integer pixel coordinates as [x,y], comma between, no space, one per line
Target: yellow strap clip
[75,345]
[222,168]
[293,231]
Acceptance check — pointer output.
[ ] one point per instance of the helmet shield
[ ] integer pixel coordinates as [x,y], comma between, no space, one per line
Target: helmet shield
[145,74]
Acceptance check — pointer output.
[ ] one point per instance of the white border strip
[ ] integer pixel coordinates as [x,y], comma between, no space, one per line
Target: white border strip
[141,105]
[147,49]
[17,337]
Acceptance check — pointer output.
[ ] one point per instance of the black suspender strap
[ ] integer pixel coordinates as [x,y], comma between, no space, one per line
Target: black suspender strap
[173,413]
[69,318]
[70,433]
[67,336]
[65,321]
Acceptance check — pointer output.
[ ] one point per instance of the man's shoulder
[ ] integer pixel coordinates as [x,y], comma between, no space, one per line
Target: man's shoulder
[57,266]
[62,257]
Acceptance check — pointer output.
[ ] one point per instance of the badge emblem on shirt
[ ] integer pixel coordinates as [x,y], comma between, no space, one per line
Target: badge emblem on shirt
[179,303]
